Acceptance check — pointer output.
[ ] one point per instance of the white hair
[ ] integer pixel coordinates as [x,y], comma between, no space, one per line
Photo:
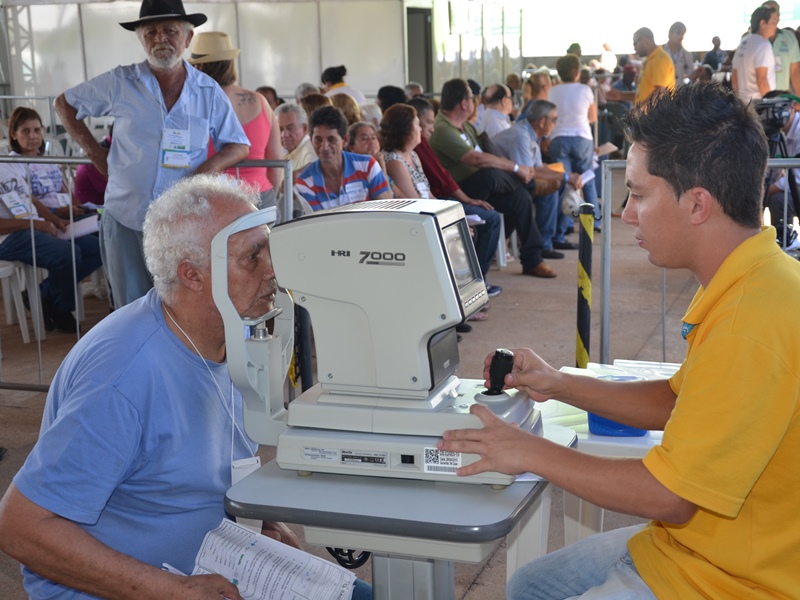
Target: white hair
[304,89]
[179,226]
[298,110]
[372,113]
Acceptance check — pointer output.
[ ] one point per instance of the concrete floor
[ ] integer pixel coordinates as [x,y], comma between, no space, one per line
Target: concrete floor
[530,312]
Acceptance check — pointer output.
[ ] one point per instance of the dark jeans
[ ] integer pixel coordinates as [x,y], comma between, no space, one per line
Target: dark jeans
[54,255]
[486,235]
[507,194]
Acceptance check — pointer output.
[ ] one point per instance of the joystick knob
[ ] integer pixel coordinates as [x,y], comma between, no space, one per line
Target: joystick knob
[502,363]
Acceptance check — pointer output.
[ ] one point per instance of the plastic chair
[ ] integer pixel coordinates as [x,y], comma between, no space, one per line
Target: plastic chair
[12,298]
[30,281]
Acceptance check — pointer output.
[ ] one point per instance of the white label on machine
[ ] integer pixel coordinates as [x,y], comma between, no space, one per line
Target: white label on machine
[324,454]
[441,461]
[367,458]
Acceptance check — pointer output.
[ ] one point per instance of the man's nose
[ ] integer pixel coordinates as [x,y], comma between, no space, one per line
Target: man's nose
[628,213]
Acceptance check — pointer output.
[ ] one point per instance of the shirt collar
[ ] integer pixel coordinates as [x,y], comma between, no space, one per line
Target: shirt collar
[733,268]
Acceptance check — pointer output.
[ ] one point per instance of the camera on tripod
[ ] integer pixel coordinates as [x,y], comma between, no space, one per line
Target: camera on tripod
[774,114]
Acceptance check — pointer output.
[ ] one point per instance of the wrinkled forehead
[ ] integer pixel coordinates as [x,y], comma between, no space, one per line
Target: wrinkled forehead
[162,25]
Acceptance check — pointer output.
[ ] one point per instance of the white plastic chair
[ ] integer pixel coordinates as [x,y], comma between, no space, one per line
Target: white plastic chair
[12,298]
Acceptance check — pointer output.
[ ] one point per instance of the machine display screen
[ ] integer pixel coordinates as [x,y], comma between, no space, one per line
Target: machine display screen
[463,260]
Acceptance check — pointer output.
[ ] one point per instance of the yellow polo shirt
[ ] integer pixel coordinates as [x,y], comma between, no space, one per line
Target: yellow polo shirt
[657,70]
[732,443]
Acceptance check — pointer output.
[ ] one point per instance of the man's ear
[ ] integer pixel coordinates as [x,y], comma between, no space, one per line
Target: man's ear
[346,139]
[190,276]
[701,204]
[189,37]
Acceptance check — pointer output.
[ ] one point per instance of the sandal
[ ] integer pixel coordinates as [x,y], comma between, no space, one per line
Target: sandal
[478,316]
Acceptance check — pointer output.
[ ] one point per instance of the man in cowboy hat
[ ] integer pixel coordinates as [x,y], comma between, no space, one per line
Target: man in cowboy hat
[164,113]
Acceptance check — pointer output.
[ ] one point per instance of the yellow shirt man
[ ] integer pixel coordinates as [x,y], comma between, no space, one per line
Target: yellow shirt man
[657,71]
[733,451]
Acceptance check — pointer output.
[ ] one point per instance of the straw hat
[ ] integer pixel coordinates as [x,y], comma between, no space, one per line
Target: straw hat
[212,46]
[164,10]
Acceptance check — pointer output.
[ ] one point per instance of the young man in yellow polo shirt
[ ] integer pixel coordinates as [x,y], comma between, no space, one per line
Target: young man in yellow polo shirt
[658,70]
[722,489]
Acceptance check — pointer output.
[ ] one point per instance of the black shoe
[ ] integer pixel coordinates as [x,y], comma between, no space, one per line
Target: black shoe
[3,452]
[25,300]
[458,339]
[64,322]
[564,245]
[463,328]
[552,254]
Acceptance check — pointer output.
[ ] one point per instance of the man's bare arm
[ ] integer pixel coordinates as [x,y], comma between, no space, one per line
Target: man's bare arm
[79,132]
[762,81]
[228,156]
[60,551]
[623,485]
[642,404]
[479,160]
[794,76]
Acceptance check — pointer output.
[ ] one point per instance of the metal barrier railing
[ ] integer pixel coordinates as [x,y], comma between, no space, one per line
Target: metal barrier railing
[285,211]
[605,312]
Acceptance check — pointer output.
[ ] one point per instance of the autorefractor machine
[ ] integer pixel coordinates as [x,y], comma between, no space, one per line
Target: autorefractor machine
[385,283]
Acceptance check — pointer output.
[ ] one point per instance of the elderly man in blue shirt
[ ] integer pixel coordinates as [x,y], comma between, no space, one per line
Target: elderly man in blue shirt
[520,144]
[165,111]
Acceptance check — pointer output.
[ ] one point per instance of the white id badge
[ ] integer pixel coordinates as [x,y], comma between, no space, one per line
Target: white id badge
[175,149]
[15,205]
[424,192]
[239,470]
[243,467]
[175,139]
[778,64]
[62,199]
[356,191]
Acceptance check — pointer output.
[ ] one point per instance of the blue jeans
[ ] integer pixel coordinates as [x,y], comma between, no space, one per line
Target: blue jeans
[547,210]
[362,591]
[598,567]
[577,154]
[55,255]
[486,236]
[123,259]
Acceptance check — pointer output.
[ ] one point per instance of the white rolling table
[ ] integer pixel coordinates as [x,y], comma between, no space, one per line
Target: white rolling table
[581,518]
[415,529]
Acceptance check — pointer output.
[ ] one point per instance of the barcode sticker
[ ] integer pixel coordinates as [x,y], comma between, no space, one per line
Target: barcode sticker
[441,461]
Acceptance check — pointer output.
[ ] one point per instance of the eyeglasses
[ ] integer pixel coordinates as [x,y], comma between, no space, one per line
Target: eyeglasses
[470,97]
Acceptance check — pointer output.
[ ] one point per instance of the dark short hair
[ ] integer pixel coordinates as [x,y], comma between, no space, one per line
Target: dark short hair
[333,75]
[498,93]
[568,67]
[15,121]
[396,126]
[677,27]
[539,109]
[453,92]
[328,116]
[702,135]
[421,104]
[389,95]
[221,71]
[762,13]
[644,33]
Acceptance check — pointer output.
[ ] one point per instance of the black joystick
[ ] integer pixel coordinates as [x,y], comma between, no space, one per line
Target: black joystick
[502,363]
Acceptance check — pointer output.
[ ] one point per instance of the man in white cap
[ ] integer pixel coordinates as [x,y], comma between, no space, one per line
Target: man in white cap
[164,113]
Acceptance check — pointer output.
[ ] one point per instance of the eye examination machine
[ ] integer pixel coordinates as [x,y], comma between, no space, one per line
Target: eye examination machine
[384,283]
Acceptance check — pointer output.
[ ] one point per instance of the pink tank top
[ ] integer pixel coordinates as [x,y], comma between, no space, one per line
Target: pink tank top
[257,131]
